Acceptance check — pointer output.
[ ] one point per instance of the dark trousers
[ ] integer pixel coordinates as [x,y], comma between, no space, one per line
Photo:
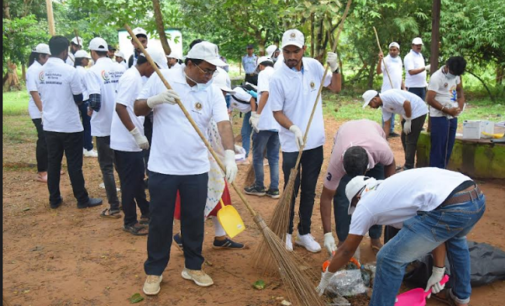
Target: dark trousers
[443,134]
[71,145]
[86,124]
[41,149]
[310,165]
[148,131]
[341,206]
[130,168]
[106,162]
[409,141]
[251,78]
[418,91]
[163,190]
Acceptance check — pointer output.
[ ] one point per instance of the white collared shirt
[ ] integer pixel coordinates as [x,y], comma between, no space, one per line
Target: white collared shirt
[267,121]
[445,90]
[32,78]
[414,60]
[395,68]
[82,73]
[58,83]
[393,100]
[294,93]
[102,78]
[176,148]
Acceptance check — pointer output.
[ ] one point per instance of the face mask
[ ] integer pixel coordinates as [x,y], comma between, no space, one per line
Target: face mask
[199,86]
[450,76]
[394,59]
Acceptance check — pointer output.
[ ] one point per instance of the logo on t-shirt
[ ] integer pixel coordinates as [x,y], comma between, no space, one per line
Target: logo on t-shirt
[198,106]
[453,93]
[41,76]
[328,177]
[105,76]
[312,84]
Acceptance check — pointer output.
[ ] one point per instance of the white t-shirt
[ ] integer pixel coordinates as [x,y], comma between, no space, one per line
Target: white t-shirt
[124,64]
[267,121]
[176,148]
[414,60]
[395,69]
[243,96]
[82,73]
[280,61]
[402,195]
[294,93]
[129,87]
[392,103]
[445,90]
[102,79]
[58,83]
[70,59]
[32,78]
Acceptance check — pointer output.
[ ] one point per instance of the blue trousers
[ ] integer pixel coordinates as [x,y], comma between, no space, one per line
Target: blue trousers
[392,128]
[268,140]
[443,134]
[246,133]
[86,124]
[419,91]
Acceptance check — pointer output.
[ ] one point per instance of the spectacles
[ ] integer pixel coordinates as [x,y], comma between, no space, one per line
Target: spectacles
[208,72]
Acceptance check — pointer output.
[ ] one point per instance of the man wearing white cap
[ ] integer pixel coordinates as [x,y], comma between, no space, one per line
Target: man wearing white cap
[120,59]
[179,162]
[101,83]
[415,69]
[142,37]
[75,45]
[435,208]
[38,58]
[61,92]
[413,111]
[173,60]
[270,52]
[293,91]
[392,77]
[265,135]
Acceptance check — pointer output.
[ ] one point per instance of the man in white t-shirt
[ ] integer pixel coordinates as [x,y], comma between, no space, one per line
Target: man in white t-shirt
[446,98]
[360,147]
[179,160]
[392,76]
[75,45]
[436,209]
[413,111]
[101,83]
[142,37]
[265,135]
[173,60]
[293,91]
[415,69]
[61,92]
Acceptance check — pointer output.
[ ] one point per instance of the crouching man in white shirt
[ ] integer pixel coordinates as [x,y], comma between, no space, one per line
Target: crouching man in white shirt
[436,209]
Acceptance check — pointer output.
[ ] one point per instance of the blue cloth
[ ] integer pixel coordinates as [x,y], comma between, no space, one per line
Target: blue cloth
[268,140]
[86,124]
[246,133]
[419,91]
[419,236]
[249,63]
[442,135]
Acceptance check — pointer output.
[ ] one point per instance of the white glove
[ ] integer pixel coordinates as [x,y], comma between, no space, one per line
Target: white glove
[169,96]
[298,135]
[42,118]
[427,68]
[230,165]
[434,282]
[140,139]
[407,126]
[254,120]
[329,243]
[332,60]
[325,281]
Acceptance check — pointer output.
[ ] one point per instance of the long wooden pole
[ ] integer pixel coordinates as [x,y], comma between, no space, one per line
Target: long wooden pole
[383,60]
[50,17]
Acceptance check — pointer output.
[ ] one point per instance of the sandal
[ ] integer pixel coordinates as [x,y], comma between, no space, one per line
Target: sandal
[136,229]
[110,213]
[144,220]
[444,297]
[41,178]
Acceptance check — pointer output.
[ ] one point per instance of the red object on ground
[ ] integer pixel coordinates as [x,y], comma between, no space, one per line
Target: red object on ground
[225,197]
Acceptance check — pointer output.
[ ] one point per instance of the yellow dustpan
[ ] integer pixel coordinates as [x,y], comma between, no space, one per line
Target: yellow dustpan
[230,219]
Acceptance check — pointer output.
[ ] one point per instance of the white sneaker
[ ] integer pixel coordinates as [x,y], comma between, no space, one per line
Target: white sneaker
[102,185]
[200,278]
[89,153]
[289,243]
[152,284]
[308,242]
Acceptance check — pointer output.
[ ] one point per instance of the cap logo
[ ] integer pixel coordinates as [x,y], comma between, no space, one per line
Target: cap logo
[293,35]
[198,106]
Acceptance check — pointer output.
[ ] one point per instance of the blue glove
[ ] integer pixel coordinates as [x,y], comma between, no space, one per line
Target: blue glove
[253,94]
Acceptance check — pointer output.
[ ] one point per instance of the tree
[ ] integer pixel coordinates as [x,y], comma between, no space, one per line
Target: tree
[160,27]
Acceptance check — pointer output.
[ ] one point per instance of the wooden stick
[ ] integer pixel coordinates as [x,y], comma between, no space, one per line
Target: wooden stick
[383,61]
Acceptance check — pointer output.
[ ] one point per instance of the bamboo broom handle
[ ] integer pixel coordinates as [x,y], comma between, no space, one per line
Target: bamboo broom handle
[383,61]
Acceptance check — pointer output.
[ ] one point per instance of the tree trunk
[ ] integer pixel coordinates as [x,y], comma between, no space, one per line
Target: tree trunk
[435,35]
[312,35]
[23,70]
[7,13]
[160,28]
[483,83]
[499,74]
[371,73]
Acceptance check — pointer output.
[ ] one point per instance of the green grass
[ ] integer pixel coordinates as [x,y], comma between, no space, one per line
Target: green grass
[17,125]
[15,103]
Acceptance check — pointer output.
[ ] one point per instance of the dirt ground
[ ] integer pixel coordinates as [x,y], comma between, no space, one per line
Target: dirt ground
[73,257]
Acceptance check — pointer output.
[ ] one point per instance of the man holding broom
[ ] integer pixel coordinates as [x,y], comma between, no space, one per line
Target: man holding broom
[293,91]
[179,160]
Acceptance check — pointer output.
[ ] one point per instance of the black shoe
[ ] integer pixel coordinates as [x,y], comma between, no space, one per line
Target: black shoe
[393,134]
[253,190]
[273,193]
[178,240]
[57,204]
[227,244]
[92,202]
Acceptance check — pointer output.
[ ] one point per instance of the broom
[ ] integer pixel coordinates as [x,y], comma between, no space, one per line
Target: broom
[383,61]
[280,218]
[299,288]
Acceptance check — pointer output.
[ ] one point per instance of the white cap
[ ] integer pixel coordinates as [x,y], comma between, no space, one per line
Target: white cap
[270,50]
[158,57]
[98,44]
[368,96]
[78,41]
[119,54]
[263,59]
[417,41]
[220,81]
[81,54]
[293,37]
[394,44]
[206,51]
[139,31]
[175,55]
[356,185]
[42,48]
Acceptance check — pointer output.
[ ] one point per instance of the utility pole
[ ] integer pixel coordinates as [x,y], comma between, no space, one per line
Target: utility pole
[50,18]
